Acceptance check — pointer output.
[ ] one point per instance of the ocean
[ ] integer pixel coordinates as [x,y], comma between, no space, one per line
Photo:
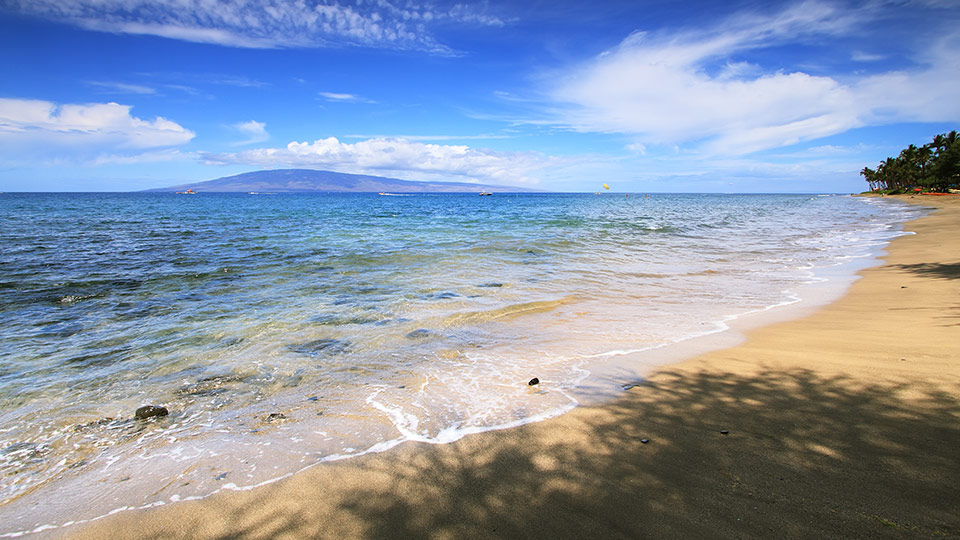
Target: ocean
[283,330]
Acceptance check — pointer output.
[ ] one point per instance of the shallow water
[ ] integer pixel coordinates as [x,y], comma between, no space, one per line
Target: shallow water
[284,330]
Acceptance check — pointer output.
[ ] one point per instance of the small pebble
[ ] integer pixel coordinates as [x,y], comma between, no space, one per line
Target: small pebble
[644,441]
[221,476]
[534,381]
[312,398]
[724,431]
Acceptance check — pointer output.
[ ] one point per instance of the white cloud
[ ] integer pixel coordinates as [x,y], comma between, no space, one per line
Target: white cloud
[397,157]
[688,88]
[45,128]
[266,23]
[348,98]
[256,132]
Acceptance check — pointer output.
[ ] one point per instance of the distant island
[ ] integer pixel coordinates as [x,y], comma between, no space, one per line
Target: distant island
[309,180]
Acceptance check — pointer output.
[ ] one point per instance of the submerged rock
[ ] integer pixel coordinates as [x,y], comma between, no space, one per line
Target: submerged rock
[292,381]
[208,386]
[276,417]
[534,381]
[95,423]
[320,347]
[420,333]
[149,411]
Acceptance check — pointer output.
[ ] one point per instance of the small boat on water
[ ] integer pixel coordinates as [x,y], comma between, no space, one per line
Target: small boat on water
[485,193]
[187,192]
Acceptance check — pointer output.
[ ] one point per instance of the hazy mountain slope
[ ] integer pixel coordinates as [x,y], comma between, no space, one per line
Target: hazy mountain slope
[307,180]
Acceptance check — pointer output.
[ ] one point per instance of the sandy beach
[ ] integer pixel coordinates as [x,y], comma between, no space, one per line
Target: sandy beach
[845,423]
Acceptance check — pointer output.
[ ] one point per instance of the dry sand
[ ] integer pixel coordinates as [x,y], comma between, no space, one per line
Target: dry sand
[845,423]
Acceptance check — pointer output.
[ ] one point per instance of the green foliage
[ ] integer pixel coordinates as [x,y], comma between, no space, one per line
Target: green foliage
[932,167]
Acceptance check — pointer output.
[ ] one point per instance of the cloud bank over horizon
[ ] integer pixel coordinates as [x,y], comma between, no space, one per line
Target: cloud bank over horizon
[399,157]
[28,126]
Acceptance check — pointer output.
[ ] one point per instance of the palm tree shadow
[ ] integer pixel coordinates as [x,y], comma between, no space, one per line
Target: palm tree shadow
[936,270]
[802,455]
[781,453]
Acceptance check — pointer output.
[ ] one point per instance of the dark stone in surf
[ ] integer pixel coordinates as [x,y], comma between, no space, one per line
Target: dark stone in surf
[149,411]
[276,417]
[491,285]
[534,381]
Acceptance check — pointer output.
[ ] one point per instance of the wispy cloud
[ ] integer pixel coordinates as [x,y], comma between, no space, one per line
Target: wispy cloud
[123,88]
[692,86]
[344,98]
[397,157]
[860,56]
[75,132]
[394,24]
[480,137]
[255,132]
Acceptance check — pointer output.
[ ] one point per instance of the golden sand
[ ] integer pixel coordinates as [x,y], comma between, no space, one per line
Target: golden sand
[845,423]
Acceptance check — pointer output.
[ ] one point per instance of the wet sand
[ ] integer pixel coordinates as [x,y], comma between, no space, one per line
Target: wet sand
[845,423]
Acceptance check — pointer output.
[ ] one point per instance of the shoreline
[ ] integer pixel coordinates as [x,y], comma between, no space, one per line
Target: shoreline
[829,432]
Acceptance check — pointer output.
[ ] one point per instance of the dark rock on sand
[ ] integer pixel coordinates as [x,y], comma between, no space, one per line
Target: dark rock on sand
[149,411]
[534,381]
[276,417]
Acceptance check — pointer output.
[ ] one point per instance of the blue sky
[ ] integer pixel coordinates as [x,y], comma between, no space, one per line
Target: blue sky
[647,96]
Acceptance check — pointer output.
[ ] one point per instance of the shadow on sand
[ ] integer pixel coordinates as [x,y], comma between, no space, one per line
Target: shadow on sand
[935,270]
[804,457]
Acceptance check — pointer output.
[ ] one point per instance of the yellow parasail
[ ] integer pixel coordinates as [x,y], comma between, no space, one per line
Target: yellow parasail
[606,186]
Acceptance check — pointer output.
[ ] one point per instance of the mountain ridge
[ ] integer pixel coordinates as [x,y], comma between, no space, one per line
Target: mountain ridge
[312,180]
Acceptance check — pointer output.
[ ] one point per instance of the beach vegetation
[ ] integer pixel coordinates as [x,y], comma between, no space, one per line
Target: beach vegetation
[933,167]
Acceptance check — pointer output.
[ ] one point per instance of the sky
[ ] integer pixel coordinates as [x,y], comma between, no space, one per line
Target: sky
[643,95]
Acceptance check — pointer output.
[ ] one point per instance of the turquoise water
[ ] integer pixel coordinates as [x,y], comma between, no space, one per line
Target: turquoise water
[285,330]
